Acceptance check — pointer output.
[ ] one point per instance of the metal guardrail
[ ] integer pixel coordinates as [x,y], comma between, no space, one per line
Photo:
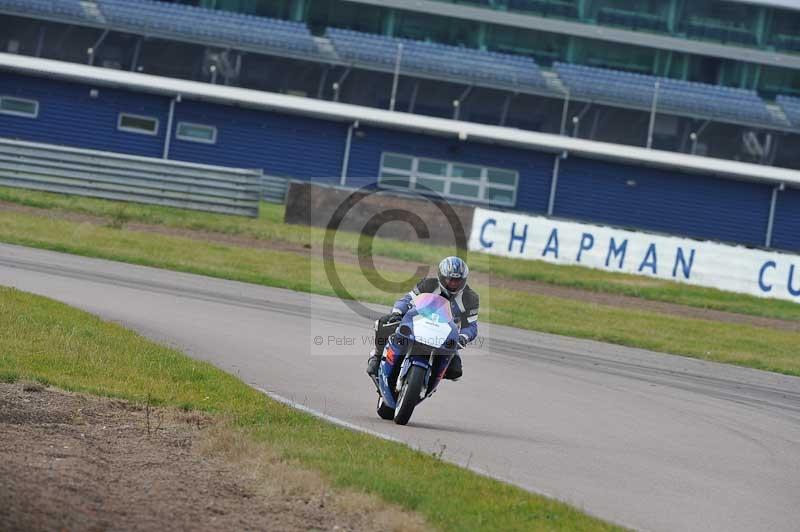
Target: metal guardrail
[114,176]
[274,189]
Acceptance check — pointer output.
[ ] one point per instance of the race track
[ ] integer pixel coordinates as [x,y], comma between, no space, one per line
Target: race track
[651,441]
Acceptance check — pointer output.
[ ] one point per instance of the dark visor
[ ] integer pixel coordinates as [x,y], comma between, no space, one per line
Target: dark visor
[454,283]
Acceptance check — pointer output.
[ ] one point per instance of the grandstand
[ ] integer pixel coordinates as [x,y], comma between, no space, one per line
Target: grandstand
[791,107]
[458,63]
[526,64]
[220,27]
[674,96]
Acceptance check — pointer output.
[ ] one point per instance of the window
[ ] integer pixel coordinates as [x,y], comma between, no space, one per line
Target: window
[143,125]
[450,180]
[196,133]
[10,105]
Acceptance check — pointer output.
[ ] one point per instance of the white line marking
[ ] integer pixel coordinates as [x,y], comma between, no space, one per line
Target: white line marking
[326,417]
[477,470]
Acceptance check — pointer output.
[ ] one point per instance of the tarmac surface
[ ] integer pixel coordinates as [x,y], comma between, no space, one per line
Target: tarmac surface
[646,440]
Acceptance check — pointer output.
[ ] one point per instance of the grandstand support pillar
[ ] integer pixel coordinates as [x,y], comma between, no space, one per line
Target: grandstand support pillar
[506,106]
[653,108]
[396,79]
[389,23]
[773,152]
[576,120]
[337,85]
[481,41]
[595,123]
[583,11]
[298,10]
[414,92]
[92,52]
[673,15]
[761,26]
[771,221]
[170,120]
[694,136]
[571,51]
[668,65]
[564,112]
[40,40]
[346,157]
[137,51]
[460,100]
[551,203]
[756,77]
[323,80]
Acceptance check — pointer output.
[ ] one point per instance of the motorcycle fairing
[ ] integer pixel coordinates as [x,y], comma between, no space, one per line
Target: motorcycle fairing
[428,327]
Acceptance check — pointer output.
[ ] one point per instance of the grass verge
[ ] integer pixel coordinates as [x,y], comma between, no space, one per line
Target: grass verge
[762,348]
[269,226]
[55,344]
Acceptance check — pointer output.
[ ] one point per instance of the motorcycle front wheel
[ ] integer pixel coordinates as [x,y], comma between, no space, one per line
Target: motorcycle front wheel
[409,395]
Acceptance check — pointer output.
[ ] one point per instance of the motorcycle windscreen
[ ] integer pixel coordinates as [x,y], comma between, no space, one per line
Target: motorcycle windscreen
[433,323]
[434,307]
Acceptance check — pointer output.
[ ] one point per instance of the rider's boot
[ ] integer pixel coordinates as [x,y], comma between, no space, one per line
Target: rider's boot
[454,370]
[373,364]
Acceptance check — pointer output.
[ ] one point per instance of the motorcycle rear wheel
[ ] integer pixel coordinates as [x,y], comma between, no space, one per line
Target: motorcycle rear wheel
[409,395]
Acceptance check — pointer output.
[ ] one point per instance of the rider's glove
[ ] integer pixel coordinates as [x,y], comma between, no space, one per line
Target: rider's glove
[462,341]
[394,317]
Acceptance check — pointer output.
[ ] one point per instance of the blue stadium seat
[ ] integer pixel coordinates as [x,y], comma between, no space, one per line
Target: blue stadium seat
[464,64]
[189,22]
[791,108]
[676,96]
[58,9]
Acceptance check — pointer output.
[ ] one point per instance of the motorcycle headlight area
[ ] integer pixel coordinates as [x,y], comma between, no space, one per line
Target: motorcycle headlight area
[421,350]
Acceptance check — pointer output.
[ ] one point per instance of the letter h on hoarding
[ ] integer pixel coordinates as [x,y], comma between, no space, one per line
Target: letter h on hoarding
[518,238]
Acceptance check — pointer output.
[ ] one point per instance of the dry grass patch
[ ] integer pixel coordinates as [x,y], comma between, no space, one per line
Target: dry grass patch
[273,475]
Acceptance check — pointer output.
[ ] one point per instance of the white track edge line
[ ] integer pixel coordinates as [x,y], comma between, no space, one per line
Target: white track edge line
[327,417]
[357,428]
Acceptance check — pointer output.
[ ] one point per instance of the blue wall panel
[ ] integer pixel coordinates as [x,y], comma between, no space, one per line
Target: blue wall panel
[69,116]
[664,201]
[308,148]
[535,169]
[282,145]
[786,231]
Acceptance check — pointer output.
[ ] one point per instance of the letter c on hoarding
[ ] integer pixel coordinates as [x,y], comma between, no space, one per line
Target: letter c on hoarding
[761,284]
[487,223]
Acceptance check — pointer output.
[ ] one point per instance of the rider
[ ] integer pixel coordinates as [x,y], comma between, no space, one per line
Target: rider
[450,283]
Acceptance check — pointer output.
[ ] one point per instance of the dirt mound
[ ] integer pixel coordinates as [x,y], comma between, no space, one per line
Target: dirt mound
[77,462]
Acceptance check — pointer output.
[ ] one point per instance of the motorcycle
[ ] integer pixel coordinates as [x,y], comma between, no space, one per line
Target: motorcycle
[416,357]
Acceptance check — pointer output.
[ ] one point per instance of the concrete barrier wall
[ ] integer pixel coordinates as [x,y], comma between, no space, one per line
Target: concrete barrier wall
[384,214]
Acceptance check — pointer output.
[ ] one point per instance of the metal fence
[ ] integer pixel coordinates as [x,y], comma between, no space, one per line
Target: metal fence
[128,178]
[274,189]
